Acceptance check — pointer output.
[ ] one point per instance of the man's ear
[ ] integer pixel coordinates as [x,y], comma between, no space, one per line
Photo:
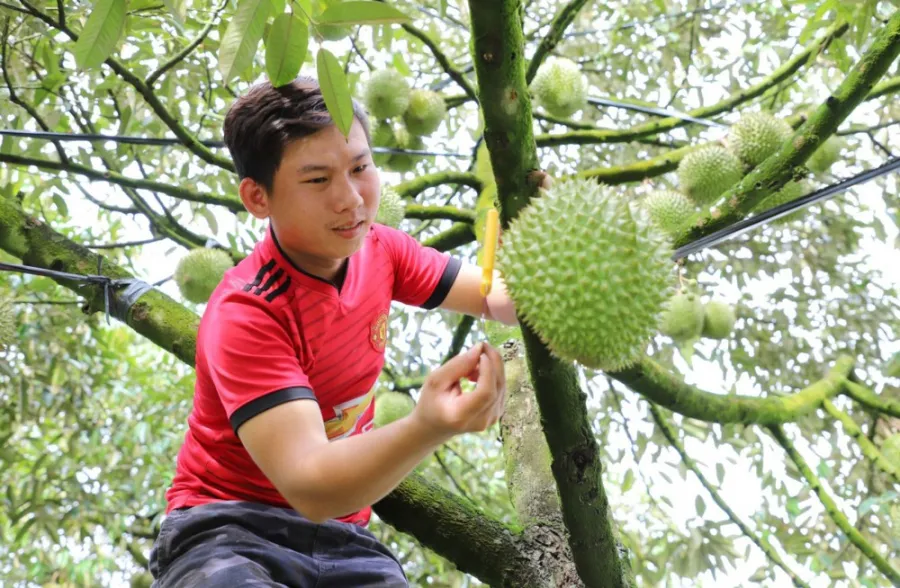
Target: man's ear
[255,198]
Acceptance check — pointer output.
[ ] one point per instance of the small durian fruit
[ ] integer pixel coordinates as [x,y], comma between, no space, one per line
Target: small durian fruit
[826,155]
[670,210]
[892,369]
[756,136]
[391,406]
[386,94]
[790,191]
[718,320]
[425,112]
[706,173]
[391,208]
[383,136]
[141,580]
[403,162]
[7,322]
[683,318]
[588,271]
[560,87]
[200,271]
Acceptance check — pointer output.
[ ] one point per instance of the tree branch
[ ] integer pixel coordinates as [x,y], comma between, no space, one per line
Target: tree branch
[779,168]
[871,400]
[764,545]
[181,55]
[498,54]
[419,211]
[412,188]
[865,445]
[232,204]
[457,235]
[660,386]
[888,86]
[831,508]
[560,23]
[445,64]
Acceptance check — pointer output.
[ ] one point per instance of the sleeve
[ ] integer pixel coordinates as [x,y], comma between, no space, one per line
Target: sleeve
[422,275]
[251,360]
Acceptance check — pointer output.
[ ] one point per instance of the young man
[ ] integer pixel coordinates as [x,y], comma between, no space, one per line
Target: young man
[275,479]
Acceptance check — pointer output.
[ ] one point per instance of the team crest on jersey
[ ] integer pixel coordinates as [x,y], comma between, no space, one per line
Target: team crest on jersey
[378,331]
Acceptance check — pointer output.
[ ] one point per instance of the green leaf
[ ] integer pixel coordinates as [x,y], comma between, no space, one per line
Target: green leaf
[701,505]
[101,33]
[335,90]
[177,8]
[400,64]
[720,473]
[61,205]
[357,12]
[242,36]
[286,48]
[210,219]
[629,481]
[278,6]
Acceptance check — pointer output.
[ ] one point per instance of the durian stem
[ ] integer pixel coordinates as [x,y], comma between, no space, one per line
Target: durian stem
[548,43]
[420,211]
[474,542]
[457,235]
[781,167]
[672,437]
[839,518]
[865,445]
[871,400]
[412,188]
[232,204]
[784,72]
[660,386]
[889,86]
[498,54]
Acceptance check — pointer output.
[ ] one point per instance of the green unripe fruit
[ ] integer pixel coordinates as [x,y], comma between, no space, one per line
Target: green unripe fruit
[425,112]
[789,192]
[403,162]
[391,406]
[333,32]
[383,136]
[200,271]
[683,318]
[892,369]
[756,136]
[670,210]
[141,580]
[560,87]
[706,173]
[588,271]
[718,320]
[7,322]
[391,208]
[826,155]
[386,94]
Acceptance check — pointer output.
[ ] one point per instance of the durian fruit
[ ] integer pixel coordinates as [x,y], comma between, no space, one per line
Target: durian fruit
[560,87]
[391,406]
[425,112]
[386,94]
[141,580]
[403,162]
[200,271]
[670,210]
[588,271]
[790,191]
[826,155]
[756,136]
[383,136]
[391,209]
[706,173]
[684,316]
[7,322]
[718,320]
[892,369]
[333,32]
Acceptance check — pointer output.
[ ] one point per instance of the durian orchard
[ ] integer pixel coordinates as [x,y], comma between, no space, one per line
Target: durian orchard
[643,390]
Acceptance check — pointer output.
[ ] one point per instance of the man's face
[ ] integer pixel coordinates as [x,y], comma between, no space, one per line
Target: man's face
[324,198]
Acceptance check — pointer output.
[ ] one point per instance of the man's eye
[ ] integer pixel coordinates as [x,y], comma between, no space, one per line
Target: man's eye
[361,168]
[317,181]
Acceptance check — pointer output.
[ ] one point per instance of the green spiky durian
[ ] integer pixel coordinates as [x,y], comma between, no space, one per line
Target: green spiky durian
[391,406]
[403,162]
[200,271]
[683,317]
[669,209]
[386,94]
[425,112]
[383,136]
[391,208]
[588,271]
[718,320]
[826,155]
[7,322]
[560,87]
[790,191]
[756,136]
[892,369]
[706,173]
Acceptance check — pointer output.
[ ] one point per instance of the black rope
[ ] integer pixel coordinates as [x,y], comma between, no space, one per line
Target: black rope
[654,110]
[781,210]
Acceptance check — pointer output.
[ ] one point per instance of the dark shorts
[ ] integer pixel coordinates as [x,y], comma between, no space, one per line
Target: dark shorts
[232,544]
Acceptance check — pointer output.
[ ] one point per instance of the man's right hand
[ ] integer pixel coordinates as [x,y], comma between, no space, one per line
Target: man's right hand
[443,407]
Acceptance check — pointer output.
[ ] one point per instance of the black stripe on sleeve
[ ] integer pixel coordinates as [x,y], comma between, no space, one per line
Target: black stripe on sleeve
[271,400]
[444,284]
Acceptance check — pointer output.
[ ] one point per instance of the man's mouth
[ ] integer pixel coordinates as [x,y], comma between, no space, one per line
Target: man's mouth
[349,227]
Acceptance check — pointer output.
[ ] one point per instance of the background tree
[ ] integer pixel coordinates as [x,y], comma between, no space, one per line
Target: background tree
[770,456]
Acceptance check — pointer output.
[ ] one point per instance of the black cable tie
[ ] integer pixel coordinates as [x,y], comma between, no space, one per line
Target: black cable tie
[125,298]
[657,111]
[744,225]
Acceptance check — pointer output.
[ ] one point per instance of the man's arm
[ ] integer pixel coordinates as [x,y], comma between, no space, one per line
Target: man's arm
[465,297]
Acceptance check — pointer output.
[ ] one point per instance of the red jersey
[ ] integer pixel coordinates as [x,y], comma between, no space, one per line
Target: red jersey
[272,333]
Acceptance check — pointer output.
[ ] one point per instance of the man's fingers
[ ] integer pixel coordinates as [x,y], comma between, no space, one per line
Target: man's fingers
[457,368]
